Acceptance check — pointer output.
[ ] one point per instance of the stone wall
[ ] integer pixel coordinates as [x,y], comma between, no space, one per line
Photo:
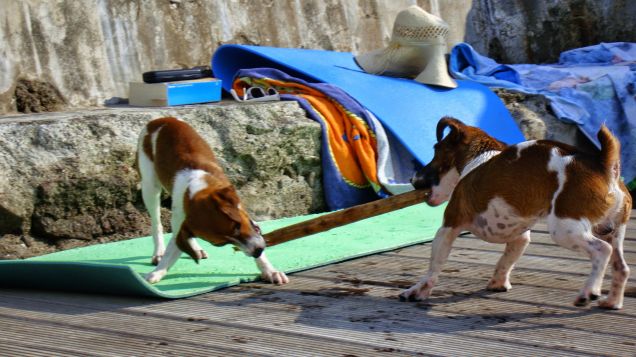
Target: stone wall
[68,179]
[522,31]
[88,50]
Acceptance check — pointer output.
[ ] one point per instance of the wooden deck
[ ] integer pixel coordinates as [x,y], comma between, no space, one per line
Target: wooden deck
[346,309]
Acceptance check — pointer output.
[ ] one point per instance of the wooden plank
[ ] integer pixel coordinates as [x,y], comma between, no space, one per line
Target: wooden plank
[352,329]
[350,308]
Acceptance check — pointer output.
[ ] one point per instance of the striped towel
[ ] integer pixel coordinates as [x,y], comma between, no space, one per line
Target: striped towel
[349,142]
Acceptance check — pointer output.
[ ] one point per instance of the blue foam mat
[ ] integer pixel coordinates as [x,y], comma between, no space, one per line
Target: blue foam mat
[410,110]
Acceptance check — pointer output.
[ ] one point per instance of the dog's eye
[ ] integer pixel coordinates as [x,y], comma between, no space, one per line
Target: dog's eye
[237,230]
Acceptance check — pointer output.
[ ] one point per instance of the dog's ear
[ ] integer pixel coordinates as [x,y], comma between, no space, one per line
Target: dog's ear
[452,123]
[228,203]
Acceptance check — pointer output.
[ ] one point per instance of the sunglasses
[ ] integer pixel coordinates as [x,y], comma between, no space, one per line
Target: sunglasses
[257,94]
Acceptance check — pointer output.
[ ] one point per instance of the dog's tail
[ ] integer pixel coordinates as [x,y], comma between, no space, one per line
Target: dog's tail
[610,153]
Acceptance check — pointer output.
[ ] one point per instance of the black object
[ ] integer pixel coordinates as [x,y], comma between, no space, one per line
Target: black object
[171,75]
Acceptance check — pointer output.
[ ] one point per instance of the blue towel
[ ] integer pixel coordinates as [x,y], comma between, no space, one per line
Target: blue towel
[589,86]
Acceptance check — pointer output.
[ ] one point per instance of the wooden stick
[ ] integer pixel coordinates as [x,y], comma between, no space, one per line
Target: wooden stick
[345,216]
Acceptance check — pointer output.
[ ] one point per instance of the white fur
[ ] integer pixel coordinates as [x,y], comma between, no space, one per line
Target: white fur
[441,192]
[577,235]
[620,271]
[440,250]
[524,145]
[500,223]
[478,161]
[269,273]
[153,141]
[195,181]
[151,194]
[558,164]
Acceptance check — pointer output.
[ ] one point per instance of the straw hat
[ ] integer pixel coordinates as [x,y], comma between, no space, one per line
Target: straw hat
[416,50]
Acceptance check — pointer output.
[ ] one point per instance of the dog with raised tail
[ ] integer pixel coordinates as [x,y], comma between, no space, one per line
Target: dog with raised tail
[497,192]
[172,156]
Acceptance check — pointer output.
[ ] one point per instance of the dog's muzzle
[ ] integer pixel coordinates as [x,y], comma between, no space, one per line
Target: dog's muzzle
[425,178]
[257,252]
[254,246]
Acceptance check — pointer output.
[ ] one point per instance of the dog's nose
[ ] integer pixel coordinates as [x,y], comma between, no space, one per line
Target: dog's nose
[257,252]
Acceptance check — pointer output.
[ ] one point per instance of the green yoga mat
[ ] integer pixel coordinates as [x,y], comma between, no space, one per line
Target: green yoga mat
[119,267]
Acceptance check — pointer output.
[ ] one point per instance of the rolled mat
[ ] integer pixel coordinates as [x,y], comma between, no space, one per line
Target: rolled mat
[408,109]
[118,268]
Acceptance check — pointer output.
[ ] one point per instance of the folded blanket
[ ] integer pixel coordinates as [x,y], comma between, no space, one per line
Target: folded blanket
[349,154]
[589,86]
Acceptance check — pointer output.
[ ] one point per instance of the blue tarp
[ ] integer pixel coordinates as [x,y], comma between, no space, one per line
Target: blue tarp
[589,86]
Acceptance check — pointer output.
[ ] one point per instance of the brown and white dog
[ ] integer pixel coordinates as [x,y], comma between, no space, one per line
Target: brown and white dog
[172,155]
[498,192]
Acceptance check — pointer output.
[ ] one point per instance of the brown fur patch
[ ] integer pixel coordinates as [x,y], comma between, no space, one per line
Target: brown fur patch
[584,183]
[178,146]
[507,177]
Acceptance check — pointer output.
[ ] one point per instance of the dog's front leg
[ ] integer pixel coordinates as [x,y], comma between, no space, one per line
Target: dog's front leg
[439,253]
[269,273]
[201,254]
[514,250]
[173,252]
[170,257]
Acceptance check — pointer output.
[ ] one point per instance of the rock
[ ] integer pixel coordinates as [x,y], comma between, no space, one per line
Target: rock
[519,31]
[536,120]
[33,96]
[68,178]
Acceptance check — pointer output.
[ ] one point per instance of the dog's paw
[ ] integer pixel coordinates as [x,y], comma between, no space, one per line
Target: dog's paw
[155,276]
[585,298]
[275,277]
[156,259]
[417,292]
[608,304]
[582,301]
[202,254]
[498,286]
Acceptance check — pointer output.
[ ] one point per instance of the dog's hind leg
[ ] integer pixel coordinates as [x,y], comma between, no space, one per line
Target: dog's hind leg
[514,250]
[151,193]
[620,272]
[440,250]
[577,235]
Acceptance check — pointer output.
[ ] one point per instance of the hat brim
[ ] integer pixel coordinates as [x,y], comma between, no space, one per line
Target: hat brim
[436,73]
[407,62]
[369,62]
